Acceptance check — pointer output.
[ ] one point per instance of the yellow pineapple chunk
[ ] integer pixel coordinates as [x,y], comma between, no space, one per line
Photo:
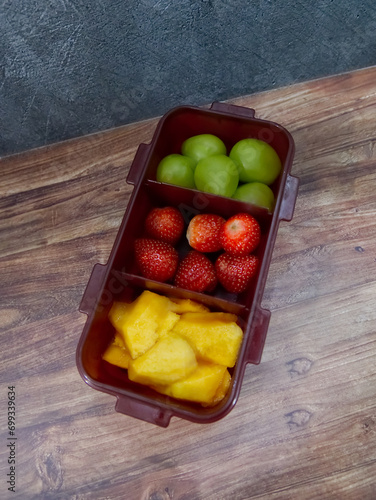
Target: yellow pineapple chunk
[118,340]
[117,313]
[169,360]
[200,386]
[214,336]
[167,323]
[141,322]
[181,306]
[221,391]
[116,355]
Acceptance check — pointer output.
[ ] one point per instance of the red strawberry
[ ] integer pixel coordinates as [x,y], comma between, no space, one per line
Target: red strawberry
[196,272]
[240,235]
[157,260]
[235,272]
[165,224]
[203,232]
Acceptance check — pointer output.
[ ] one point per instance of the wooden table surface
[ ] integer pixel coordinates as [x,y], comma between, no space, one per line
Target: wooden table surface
[305,423]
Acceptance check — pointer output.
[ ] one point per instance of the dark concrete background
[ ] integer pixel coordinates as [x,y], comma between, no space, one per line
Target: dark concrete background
[71,67]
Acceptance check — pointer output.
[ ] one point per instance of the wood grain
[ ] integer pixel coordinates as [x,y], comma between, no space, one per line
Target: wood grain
[305,423]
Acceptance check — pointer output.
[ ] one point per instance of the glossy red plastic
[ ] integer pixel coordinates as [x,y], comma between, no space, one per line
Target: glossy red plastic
[119,279]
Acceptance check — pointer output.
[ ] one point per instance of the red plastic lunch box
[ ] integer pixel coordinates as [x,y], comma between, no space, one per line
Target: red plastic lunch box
[119,278]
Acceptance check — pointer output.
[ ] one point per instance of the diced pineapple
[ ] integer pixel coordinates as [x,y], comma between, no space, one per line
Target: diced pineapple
[221,391]
[167,323]
[117,313]
[181,306]
[116,355]
[176,346]
[200,386]
[141,322]
[169,360]
[118,340]
[214,336]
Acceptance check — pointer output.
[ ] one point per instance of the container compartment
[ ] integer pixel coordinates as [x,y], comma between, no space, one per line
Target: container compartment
[189,202]
[120,279]
[141,401]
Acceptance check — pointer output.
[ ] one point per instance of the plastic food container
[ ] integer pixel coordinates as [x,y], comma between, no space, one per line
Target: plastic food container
[118,279]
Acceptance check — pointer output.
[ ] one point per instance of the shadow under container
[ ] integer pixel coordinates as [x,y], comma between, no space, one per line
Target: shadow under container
[119,279]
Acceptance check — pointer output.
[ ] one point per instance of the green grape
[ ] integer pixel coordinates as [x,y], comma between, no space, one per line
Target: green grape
[217,175]
[257,193]
[256,160]
[176,169]
[202,146]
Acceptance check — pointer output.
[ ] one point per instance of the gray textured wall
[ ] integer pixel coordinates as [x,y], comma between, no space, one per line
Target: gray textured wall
[70,67]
